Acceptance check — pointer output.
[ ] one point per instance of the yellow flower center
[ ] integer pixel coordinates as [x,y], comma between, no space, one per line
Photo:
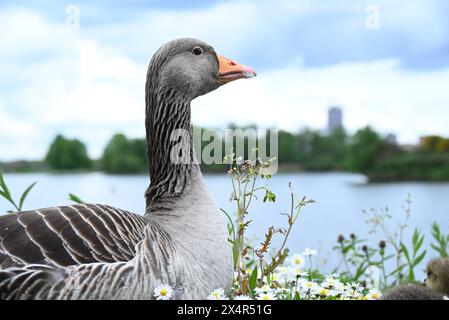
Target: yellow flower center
[374,295]
[298,261]
[265,297]
[163,292]
[323,292]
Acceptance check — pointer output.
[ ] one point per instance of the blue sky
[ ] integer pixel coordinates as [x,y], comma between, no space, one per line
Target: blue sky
[88,82]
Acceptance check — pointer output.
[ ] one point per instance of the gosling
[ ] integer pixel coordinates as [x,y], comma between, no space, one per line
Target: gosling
[435,287]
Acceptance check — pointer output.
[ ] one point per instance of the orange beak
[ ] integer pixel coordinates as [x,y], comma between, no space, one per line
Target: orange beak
[230,70]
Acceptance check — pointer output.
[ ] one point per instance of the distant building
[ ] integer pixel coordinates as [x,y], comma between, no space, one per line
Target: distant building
[335,119]
[392,138]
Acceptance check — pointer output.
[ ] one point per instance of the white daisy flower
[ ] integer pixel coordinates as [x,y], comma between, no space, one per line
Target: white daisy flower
[309,252]
[354,286]
[374,294]
[266,296]
[281,270]
[263,289]
[163,292]
[308,286]
[217,294]
[297,261]
[352,294]
[296,272]
[323,292]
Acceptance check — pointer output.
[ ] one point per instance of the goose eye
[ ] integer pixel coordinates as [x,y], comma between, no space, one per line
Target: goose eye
[197,51]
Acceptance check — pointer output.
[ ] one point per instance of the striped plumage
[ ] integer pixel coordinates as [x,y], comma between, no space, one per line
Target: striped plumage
[70,235]
[99,252]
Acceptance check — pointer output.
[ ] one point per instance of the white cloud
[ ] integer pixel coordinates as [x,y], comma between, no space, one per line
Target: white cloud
[85,83]
[378,93]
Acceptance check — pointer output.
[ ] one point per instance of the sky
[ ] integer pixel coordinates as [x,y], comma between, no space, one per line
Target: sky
[78,68]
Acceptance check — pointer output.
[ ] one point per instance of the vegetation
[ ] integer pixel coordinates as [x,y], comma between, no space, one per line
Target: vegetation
[6,194]
[125,156]
[366,152]
[65,154]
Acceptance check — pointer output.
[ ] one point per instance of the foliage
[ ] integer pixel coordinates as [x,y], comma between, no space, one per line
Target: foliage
[125,156]
[435,144]
[277,278]
[65,154]
[6,194]
[75,198]
[363,149]
[441,241]
[414,165]
[360,260]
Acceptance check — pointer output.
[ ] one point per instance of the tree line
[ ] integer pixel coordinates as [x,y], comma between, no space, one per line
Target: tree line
[366,151]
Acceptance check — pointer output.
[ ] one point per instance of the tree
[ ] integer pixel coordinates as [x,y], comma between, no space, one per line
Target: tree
[363,150]
[65,154]
[125,156]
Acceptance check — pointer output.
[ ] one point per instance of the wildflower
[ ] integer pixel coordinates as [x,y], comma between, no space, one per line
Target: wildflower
[309,286]
[297,273]
[297,261]
[340,238]
[217,294]
[352,294]
[266,296]
[354,286]
[243,297]
[374,294]
[281,270]
[382,244]
[263,289]
[310,252]
[163,292]
[331,282]
[324,293]
[352,236]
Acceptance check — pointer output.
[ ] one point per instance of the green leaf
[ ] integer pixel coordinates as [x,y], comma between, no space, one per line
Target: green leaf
[269,196]
[25,194]
[404,249]
[3,194]
[415,236]
[411,275]
[253,279]
[420,258]
[75,198]
[4,187]
[419,244]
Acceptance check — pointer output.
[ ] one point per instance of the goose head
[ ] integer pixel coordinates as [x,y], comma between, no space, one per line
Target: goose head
[192,68]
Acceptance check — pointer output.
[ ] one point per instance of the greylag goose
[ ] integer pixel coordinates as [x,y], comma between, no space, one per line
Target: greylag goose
[99,252]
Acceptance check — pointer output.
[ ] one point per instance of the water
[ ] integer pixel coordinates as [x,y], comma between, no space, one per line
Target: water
[340,198]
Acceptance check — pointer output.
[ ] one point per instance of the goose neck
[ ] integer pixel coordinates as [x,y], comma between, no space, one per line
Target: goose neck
[170,150]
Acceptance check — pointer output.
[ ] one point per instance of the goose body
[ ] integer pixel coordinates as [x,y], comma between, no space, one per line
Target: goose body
[99,252]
